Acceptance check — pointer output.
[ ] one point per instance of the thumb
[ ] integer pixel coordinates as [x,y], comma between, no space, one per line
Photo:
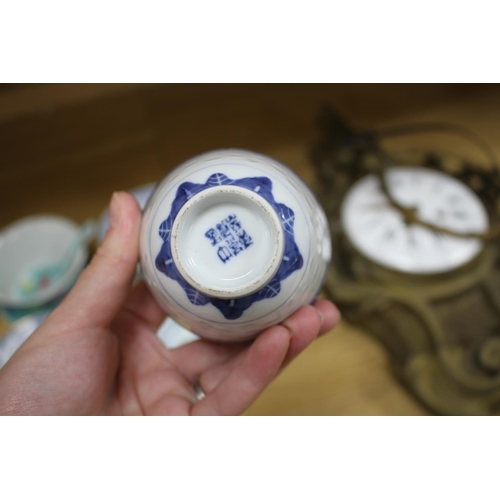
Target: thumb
[104,285]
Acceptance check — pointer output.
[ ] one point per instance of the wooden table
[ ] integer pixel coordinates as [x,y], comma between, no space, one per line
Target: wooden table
[64,149]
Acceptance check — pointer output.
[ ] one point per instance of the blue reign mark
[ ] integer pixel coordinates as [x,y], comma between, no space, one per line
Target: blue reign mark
[292,258]
[229,237]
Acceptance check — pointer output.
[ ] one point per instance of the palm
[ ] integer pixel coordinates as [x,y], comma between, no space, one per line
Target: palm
[154,380]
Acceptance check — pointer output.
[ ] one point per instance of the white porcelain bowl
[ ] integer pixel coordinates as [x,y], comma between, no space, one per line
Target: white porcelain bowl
[32,242]
[233,242]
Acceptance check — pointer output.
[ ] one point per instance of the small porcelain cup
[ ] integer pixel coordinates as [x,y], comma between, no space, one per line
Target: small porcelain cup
[233,242]
[27,244]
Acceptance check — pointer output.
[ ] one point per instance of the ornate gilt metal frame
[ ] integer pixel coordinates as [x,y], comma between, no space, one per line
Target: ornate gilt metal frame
[442,331]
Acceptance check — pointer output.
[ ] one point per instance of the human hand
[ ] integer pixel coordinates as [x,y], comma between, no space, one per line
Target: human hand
[98,352]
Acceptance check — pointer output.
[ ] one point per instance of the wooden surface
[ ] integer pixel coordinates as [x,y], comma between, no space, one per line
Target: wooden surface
[65,149]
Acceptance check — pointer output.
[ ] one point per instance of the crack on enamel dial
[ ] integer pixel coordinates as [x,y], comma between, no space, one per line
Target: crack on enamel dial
[382,233]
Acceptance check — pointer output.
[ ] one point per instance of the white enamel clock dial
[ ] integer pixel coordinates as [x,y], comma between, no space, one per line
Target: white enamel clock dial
[377,230]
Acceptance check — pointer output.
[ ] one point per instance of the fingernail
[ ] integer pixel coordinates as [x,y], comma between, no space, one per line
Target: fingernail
[321,317]
[114,210]
[290,331]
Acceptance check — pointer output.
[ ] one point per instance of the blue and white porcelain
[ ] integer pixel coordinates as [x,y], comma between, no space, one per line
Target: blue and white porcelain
[233,242]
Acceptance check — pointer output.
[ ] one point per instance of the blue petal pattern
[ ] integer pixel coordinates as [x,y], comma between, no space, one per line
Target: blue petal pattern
[292,258]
